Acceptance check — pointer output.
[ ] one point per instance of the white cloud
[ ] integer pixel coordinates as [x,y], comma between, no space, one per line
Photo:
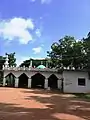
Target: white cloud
[20,59]
[38,32]
[17,28]
[38,58]
[45,1]
[37,50]
[41,18]
[42,45]
[33,0]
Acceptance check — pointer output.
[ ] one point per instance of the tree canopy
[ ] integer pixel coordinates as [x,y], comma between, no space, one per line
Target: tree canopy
[70,52]
[12,59]
[2,61]
[66,52]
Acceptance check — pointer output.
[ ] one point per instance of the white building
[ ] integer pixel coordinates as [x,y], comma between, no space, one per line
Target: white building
[76,81]
[70,81]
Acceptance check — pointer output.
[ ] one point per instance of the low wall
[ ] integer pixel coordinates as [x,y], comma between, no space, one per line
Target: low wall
[71,82]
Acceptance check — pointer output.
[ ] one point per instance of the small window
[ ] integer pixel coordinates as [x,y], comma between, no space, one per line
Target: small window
[81,81]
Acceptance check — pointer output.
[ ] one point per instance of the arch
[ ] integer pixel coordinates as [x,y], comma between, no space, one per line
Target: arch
[55,74]
[38,81]
[23,81]
[53,81]
[7,73]
[10,80]
[21,72]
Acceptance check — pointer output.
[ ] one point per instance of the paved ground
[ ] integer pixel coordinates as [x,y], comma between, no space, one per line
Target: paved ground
[25,104]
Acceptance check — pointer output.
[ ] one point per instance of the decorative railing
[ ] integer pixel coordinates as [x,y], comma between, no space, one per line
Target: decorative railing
[36,69]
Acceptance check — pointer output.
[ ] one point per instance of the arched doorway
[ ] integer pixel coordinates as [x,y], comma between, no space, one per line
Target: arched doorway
[23,81]
[53,82]
[38,81]
[10,80]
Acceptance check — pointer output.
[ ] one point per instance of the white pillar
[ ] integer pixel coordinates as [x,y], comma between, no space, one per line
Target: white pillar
[31,63]
[29,82]
[4,81]
[59,84]
[6,62]
[46,64]
[46,83]
[16,82]
[41,62]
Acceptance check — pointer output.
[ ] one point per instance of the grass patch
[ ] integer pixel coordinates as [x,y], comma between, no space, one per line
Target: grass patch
[82,95]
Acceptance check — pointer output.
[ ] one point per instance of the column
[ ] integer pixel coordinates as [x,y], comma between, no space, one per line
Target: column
[59,84]
[41,62]
[4,81]
[31,63]
[29,82]
[46,83]
[46,64]
[6,62]
[16,82]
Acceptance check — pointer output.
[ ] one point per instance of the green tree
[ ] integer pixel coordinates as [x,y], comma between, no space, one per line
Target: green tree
[67,52]
[86,42]
[12,59]
[2,61]
[25,63]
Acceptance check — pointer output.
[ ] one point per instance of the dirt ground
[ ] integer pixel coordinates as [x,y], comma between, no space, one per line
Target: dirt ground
[29,104]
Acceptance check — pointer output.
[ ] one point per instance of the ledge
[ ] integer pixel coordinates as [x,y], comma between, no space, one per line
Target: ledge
[31,69]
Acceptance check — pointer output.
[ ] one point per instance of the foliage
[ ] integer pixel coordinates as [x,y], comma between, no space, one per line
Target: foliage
[2,61]
[25,63]
[12,59]
[86,42]
[82,95]
[68,52]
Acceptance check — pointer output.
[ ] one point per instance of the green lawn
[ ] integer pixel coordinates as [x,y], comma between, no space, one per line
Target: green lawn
[82,95]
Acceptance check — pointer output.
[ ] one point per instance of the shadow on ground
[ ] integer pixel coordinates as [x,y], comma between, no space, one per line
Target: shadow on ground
[59,107]
[62,104]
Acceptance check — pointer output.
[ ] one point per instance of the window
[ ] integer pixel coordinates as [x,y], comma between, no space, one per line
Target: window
[81,81]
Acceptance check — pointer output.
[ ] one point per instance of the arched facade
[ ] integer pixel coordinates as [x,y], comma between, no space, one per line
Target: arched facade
[53,81]
[23,81]
[38,81]
[10,80]
[30,77]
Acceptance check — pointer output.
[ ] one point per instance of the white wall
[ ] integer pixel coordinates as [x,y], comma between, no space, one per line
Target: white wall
[31,73]
[71,82]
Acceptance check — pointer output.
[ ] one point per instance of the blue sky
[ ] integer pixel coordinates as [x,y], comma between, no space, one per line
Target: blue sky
[29,27]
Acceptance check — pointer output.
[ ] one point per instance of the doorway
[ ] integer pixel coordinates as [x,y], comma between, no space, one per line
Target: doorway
[53,82]
[38,81]
[23,81]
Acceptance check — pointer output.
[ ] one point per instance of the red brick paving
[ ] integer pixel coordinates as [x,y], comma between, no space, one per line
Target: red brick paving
[28,104]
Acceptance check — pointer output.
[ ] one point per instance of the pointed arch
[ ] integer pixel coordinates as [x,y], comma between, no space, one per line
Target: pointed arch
[10,80]
[23,81]
[7,73]
[26,73]
[53,81]
[38,80]
[10,74]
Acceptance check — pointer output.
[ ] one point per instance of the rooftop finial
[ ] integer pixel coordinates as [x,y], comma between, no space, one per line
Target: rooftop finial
[6,63]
